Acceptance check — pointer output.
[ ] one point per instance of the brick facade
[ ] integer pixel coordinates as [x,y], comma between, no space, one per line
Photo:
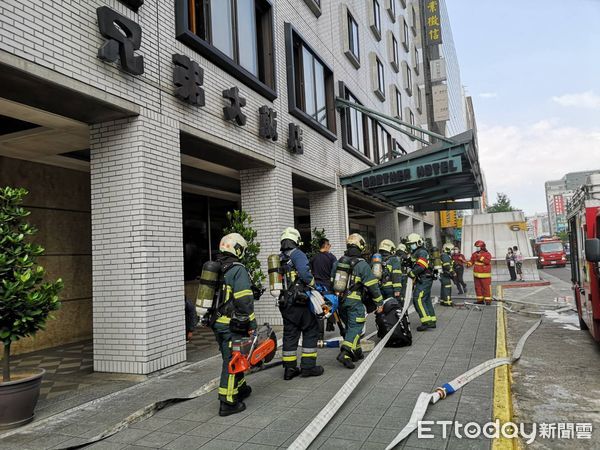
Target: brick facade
[135,163]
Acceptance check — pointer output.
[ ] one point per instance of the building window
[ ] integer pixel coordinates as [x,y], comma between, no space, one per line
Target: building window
[236,35]
[413,21]
[416,59]
[403,3]
[391,9]
[353,52]
[397,106]
[407,78]
[376,24]
[313,5]
[378,78]
[310,85]
[395,56]
[411,120]
[384,143]
[419,93]
[405,37]
[355,127]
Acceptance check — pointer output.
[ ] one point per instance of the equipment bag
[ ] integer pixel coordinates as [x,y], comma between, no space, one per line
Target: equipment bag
[402,336]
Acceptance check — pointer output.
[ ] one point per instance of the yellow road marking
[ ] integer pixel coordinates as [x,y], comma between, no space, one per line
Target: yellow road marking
[503,407]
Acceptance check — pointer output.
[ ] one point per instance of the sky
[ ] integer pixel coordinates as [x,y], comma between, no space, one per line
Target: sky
[533,70]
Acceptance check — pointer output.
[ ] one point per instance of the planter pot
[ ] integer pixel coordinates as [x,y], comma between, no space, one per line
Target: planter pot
[18,398]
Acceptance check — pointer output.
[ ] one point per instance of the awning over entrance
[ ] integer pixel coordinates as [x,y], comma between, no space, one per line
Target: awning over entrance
[438,173]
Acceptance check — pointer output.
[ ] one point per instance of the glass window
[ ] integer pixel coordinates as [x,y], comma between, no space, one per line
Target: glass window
[246,20]
[221,21]
[353,41]
[380,77]
[310,89]
[377,15]
[552,247]
[395,56]
[242,30]
[383,139]
[392,9]
[355,125]
[405,34]
[398,111]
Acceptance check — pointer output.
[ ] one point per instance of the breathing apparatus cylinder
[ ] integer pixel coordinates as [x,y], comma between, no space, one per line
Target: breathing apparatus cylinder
[208,290]
[342,275]
[377,266]
[437,260]
[275,276]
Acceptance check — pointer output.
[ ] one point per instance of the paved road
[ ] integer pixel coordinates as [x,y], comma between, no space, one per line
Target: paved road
[556,381]
[563,273]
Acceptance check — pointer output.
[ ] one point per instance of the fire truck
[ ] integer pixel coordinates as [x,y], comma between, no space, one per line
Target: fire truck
[584,235]
[550,252]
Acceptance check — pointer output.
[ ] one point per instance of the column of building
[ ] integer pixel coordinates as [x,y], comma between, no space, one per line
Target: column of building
[137,258]
[328,212]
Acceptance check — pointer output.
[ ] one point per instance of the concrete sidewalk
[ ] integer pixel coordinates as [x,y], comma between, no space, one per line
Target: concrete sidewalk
[279,410]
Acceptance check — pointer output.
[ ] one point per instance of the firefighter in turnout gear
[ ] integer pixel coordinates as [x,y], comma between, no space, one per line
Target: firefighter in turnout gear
[360,283]
[482,273]
[447,275]
[391,279]
[422,274]
[298,320]
[405,264]
[234,320]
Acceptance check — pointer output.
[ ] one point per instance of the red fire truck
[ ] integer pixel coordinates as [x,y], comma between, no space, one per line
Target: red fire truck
[584,234]
[550,252]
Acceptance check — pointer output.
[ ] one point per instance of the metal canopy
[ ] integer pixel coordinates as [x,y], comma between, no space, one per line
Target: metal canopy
[438,173]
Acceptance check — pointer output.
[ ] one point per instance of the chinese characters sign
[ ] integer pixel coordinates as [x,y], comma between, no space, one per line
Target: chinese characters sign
[559,205]
[433,28]
[448,219]
[123,37]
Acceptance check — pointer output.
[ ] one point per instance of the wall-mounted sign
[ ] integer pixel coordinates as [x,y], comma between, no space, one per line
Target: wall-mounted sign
[518,226]
[123,38]
[433,25]
[448,219]
[441,111]
[559,205]
[267,123]
[415,172]
[295,141]
[234,112]
[438,70]
[133,4]
[188,79]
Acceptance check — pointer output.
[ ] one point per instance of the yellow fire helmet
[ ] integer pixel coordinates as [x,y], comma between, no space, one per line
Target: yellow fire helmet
[447,247]
[292,234]
[387,246]
[414,238]
[233,244]
[356,240]
[401,248]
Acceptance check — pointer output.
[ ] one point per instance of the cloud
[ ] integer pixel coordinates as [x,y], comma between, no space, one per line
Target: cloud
[517,160]
[589,100]
[488,95]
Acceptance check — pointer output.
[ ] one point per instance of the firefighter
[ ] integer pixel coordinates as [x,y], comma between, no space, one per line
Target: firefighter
[446,275]
[391,279]
[482,273]
[298,320]
[235,319]
[422,274]
[405,264]
[352,296]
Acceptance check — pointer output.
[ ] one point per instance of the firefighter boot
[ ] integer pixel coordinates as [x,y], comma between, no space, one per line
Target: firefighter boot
[290,372]
[345,359]
[358,354]
[227,409]
[244,392]
[314,371]
[425,326]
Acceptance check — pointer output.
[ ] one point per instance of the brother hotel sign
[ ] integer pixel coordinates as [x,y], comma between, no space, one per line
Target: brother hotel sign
[413,173]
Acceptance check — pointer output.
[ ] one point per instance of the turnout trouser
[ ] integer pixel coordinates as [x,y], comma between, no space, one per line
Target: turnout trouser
[483,288]
[422,300]
[229,384]
[352,313]
[446,290]
[299,321]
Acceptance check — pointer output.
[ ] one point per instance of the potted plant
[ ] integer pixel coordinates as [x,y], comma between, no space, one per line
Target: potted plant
[26,302]
[241,222]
